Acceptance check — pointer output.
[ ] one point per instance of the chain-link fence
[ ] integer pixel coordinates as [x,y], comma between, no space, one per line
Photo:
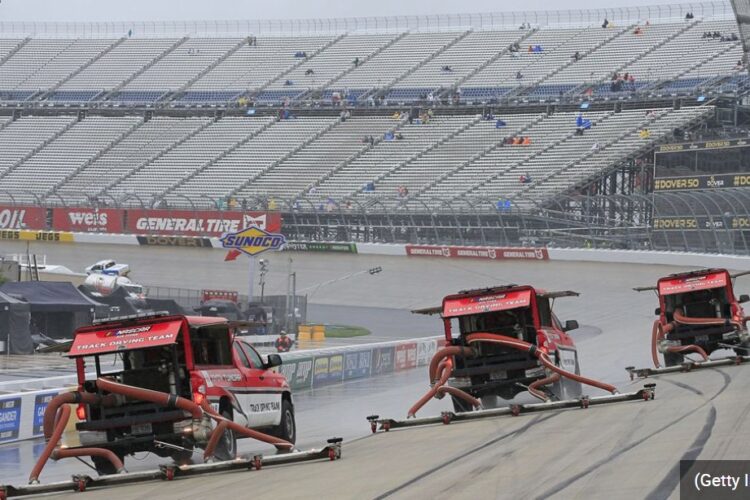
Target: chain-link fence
[715,220]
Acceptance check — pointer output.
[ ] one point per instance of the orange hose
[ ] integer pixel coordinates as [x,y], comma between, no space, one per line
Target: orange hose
[453,350]
[160,398]
[689,348]
[444,376]
[214,440]
[533,387]
[90,452]
[279,443]
[682,319]
[540,355]
[455,391]
[63,415]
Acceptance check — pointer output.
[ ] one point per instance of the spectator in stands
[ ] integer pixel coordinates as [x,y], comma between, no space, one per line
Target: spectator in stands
[734,37]
[389,136]
[243,204]
[130,33]
[538,49]
[500,124]
[356,62]
[525,179]
[637,31]
[577,56]
[515,141]
[644,133]
[399,136]
[631,82]
[595,146]
[519,75]
[447,69]
[309,71]
[738,65]
[288,83]
[526,141]
[605,24]
[706,34]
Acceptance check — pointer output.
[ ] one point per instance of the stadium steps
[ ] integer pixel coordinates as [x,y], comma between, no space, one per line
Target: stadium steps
[144,68]
[352,67]
[91,61]
[524,193]
[515,167]
[612,165]
[288,155]
[15,49]
[177,93]
[489,61]
[161,153]
[37,149]
[343,164]
[570,62]
[221,155]
[526,88]
[477,156]
[91,160]
[387,87]
[640,56]
[404,164]
[698,65]
[302,60]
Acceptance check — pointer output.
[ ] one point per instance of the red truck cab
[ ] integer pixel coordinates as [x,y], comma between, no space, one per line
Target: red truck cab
[521,312]
[699,308]
[193,357]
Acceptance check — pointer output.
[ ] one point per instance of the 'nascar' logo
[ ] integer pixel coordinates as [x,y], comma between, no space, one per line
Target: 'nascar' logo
[128,331]
[253,240]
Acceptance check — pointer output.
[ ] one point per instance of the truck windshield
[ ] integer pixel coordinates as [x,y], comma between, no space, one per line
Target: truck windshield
[511,322]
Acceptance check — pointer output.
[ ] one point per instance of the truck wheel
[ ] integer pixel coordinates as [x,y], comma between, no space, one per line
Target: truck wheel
[104,467]
[460,406]
[673,359]
[226,448]
[287,428]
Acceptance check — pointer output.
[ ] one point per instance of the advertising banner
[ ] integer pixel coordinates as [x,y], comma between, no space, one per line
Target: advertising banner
[328,370]
[10,418]
[701,222]
[22,218]
[198,223]
[489,253]
[304,246]
[426,349]
[357,364]
[298,372]
[40,405]
[701,182]
[88,220]
[382,360]
[25,235]
[406,356]
[174,241]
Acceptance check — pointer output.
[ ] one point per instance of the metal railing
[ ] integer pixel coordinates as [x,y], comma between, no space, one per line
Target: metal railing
[271,27]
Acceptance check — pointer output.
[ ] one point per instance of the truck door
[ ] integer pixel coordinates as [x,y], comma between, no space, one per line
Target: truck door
[261,398]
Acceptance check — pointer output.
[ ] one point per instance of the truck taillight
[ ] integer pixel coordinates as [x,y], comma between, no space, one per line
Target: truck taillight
[199,395]
[81,412]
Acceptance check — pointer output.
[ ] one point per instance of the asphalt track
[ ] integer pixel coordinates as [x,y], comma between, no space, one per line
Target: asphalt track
[624,450]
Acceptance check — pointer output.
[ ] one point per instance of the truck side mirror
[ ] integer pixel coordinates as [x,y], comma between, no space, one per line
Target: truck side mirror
[273,360]
[657,311]
[571,324]
[744,298]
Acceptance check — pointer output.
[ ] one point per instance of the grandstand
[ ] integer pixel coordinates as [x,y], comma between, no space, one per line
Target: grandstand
[384,113]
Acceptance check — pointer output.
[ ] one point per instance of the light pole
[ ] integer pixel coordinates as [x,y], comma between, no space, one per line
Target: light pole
[263,264]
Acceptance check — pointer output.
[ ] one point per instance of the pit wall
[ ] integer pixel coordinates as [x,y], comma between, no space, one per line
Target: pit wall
[22,412]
